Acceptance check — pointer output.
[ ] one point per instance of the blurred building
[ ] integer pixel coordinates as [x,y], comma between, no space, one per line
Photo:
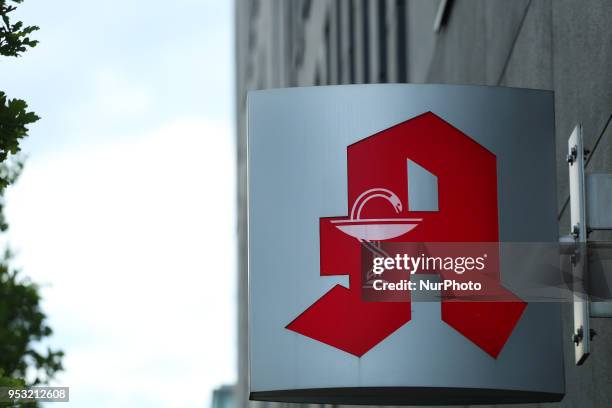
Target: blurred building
[224,397]
[560,45]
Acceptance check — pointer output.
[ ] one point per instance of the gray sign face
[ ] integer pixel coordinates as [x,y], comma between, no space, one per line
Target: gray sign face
[310,339]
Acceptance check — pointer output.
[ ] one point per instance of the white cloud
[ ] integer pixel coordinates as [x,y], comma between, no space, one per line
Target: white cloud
[126,204]
[136,239]
[116,96]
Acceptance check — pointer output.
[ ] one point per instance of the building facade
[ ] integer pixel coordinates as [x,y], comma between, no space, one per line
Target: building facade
[223,397]
[559,45]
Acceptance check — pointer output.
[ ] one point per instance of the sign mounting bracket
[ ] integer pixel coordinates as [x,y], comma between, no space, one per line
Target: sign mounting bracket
[590,196]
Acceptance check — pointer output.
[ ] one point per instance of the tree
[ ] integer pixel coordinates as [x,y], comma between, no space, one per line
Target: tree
[14,38]
[23,324]
[14,117]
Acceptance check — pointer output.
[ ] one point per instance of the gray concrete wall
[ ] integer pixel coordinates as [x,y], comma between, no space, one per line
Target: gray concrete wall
[561,45]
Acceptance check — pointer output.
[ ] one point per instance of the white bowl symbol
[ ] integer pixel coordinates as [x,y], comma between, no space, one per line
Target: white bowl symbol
[376,229]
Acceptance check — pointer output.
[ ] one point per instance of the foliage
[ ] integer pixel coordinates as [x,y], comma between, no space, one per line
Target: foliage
[22,323]
[13,120]
[14,37]
[9,171]
[8,382]
[14,117]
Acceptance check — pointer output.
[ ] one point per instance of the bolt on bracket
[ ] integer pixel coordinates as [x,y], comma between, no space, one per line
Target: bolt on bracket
[575,160]
[590,210]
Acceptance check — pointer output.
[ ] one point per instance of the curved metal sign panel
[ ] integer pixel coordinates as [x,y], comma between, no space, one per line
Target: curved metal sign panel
[338,172]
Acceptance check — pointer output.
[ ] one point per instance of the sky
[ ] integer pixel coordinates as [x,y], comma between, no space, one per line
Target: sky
[125,211]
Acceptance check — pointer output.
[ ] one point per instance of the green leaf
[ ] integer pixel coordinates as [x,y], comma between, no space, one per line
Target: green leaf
[14,38]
